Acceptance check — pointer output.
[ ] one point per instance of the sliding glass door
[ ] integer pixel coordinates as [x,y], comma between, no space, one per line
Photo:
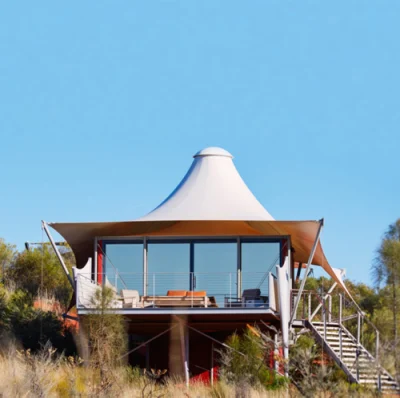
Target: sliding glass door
[168,267]
[123,264]
[215,269]
[258,260]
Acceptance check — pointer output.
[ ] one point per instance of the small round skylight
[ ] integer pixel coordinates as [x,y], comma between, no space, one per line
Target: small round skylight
[213,151]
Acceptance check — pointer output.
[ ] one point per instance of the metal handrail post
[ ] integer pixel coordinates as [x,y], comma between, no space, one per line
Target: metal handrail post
[377,361]
[358,345]
[330,308]
[230,286]
[154,289]
[340,327]
[145,267]
[324,317]
[309,306]
[192,283]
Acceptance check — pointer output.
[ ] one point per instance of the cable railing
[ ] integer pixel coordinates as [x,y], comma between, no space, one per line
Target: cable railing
[170,290]
[338,309]
[331,309]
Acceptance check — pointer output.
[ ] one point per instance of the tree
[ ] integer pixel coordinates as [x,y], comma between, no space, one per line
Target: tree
[106,334]
[38,271]
[7,253]
[386,270]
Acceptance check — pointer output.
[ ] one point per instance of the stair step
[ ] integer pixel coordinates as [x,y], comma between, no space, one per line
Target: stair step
[344,342]
[348,344]
[375,381]
[361,358]
[367,369]
[328,328]
[352,360]
[337,337]
[334,335]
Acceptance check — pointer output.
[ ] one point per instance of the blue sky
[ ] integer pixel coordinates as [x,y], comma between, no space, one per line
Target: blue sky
[102,105]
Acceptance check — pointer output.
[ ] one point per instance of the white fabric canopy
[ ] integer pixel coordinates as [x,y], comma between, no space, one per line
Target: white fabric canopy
[212,189]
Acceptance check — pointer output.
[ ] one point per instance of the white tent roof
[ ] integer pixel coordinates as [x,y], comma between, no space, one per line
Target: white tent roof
[212,189]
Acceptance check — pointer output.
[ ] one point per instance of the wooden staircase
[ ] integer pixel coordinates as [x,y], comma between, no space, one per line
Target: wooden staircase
[358,364]
[325,317]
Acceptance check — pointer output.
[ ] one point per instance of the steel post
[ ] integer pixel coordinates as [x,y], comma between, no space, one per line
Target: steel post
[358,345]
[303,282]
[58,254]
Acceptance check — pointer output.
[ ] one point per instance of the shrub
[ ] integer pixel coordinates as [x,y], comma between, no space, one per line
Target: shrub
[244,362]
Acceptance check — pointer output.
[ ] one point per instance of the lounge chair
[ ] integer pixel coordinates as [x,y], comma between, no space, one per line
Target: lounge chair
[250,298]
[131,299]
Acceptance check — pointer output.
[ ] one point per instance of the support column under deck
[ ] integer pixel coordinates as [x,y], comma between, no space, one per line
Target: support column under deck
[284,307]
[184,339]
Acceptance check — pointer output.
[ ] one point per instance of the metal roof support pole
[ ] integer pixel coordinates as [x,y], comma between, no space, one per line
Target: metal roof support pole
[145,267]
[58,254]
[239,269]
[303,282]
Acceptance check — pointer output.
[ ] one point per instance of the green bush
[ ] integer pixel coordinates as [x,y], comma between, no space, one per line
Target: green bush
[38,271]
[32,328]
[244,363]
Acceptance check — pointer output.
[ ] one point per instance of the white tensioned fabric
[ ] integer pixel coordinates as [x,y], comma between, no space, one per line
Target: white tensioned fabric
[212,189]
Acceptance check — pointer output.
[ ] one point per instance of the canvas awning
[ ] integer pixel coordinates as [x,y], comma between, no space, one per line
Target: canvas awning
[80,236]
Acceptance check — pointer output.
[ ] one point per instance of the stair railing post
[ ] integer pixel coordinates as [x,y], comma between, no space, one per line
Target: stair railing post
[330,308]
[377,361]
[324,317]
[358,344]
[340,326]
[309,306]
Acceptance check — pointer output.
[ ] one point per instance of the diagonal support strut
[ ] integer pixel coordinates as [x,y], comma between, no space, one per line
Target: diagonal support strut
[303,282]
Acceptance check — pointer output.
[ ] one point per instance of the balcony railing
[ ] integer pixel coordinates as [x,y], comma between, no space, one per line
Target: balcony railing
[178,290]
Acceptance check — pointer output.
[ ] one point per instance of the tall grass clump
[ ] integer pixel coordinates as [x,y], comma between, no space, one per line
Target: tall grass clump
[244,363]
[103,339]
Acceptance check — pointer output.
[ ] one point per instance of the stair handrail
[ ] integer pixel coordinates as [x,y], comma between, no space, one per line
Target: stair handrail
[359,314]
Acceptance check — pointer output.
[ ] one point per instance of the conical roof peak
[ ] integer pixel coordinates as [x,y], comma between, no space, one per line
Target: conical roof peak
[211,190]
[213,151]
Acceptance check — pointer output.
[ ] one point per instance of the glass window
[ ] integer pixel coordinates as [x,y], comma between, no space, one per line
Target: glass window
[258,260]
[215,269]
[124,265]
[168,267]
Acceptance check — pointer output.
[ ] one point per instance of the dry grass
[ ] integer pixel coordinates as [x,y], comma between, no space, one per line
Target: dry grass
[45,375]
[25,375]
